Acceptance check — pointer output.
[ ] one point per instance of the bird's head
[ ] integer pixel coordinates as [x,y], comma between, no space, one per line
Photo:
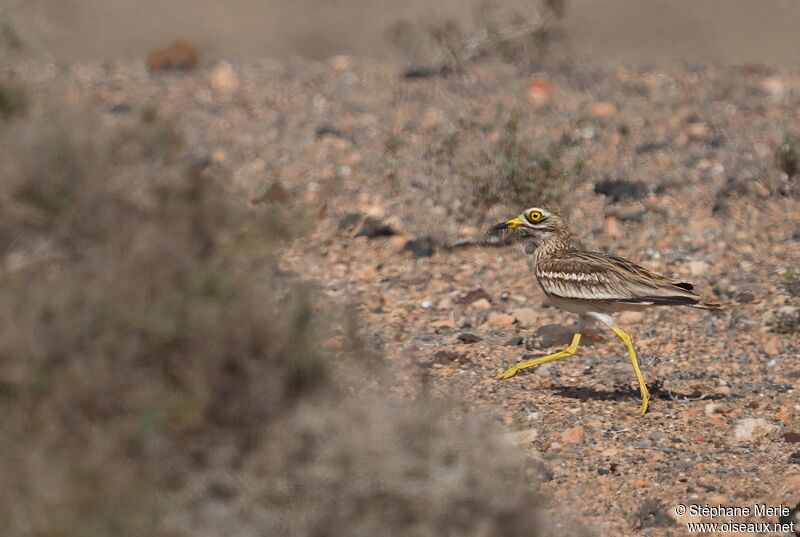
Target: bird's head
[537,223]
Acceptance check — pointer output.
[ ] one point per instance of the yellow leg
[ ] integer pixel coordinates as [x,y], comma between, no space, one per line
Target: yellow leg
[516,368]
[628,341]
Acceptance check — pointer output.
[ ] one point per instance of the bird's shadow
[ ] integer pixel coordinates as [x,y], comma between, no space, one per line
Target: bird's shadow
[625,392]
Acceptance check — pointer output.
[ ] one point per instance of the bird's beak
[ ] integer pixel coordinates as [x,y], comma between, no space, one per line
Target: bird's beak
[514,223]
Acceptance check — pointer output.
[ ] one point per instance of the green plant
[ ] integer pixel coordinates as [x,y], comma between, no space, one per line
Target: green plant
[13,99]
[9,36]
[791,282]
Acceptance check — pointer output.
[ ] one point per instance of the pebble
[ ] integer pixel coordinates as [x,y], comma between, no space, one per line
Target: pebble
[602,109]
[466,337]
[539,92]
[619,189]
[613,228]
[420,247]
[500,319]
[527,317]
[474,295]
[698,268]
[341,63]
[481,304]
[515,341]
[574,435]
[180,55]
[749,429]
[698,131]
[224,79]
[772,344]
[373,227]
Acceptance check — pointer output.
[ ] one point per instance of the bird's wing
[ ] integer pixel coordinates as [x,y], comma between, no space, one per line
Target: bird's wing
[595,276]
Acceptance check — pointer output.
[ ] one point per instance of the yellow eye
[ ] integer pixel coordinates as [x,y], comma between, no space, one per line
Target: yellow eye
[534,216]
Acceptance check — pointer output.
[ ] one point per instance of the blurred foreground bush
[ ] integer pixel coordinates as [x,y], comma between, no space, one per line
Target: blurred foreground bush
[158,378]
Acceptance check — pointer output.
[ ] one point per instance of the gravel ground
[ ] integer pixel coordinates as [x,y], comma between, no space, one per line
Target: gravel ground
[676,170]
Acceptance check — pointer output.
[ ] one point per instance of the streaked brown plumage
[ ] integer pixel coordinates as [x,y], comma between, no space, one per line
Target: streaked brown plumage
[592,284]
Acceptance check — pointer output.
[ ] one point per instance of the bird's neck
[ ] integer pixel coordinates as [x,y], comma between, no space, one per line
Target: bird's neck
[550,245]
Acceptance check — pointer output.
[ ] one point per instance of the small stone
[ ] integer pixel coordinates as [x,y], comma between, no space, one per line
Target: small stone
[791,437]
[772,345]
[444,324]
[375,211]
[349,221]
[553,334]
[446,357]
[618,189]
[426,304]
[466,337]
[574,435]
[341,63]
[527,317]
[698,268]
[474,295]
[749,429]
[713,408]
[602,109]
[224,79]
[612,228]
[373,227]
[179,56]
[119,109]
[698,131]
[774,86]
[515,341]
[481,304]
[468,231]
[500,319]
[421,247]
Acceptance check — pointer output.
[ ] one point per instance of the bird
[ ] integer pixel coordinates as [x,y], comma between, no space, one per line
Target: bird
[593,285]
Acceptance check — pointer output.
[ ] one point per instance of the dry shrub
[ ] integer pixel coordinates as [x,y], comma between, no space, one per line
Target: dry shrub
[133,344]
[511,172]
[518,32]
[10,37]
[370,467]
[158,378]
[13,99]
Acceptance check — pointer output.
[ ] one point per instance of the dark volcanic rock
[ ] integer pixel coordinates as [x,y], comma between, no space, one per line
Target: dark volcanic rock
[421,247]
[474,295]
[618,189]
[372,228]
[466,337]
